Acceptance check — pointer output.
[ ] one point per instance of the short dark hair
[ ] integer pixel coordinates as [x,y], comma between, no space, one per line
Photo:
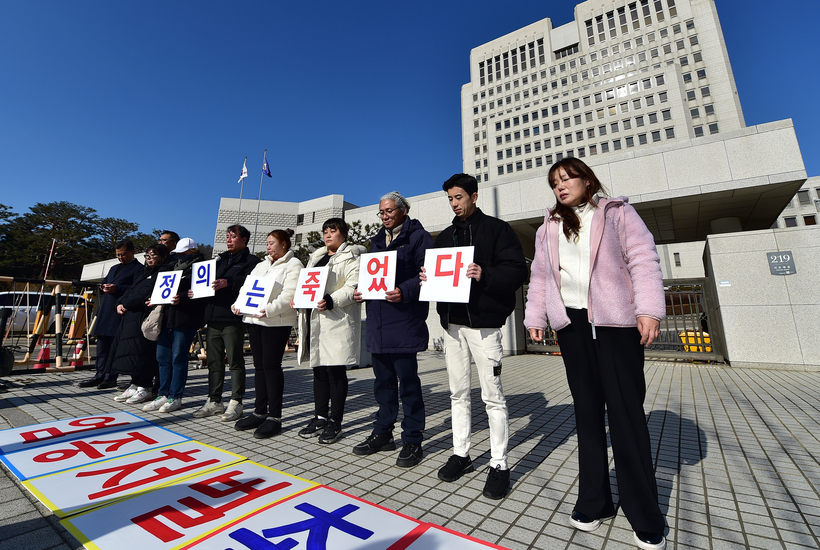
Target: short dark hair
[241,231]
[336,223]
[174,235]
[465,181]
[125,243]
[283,236]
[159,249]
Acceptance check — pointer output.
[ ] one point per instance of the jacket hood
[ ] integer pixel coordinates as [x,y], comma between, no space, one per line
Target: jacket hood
[284,259]
[345,250]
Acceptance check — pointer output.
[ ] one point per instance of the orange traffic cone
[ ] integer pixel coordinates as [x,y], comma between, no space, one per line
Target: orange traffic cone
[45,355]
[77,358]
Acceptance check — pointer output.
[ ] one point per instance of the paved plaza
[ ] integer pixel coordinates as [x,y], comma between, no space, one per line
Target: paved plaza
[736,454]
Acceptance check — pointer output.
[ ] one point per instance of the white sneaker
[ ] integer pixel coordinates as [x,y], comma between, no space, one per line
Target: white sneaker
[234,411]
[141,395]
[124,396]
[155,404]
[171,405]
[210,408]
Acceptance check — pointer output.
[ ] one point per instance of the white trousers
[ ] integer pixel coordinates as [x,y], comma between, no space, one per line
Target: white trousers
[483,345]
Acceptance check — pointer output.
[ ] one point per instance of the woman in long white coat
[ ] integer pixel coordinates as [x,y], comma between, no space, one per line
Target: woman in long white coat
[268,332]
[330,335]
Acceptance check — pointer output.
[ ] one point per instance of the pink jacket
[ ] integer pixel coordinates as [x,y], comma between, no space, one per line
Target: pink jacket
[625,279]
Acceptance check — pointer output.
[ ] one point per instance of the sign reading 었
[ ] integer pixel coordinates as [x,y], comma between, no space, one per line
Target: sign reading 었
[446,270]
[310,287]
[165,287]
[781,263]
[377,274]
[202,276]
[254,294]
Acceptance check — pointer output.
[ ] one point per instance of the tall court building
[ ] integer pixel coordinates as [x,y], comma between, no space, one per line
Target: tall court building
[622,76]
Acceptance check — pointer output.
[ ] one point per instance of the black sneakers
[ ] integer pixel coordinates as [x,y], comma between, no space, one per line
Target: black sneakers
[250,422]
[456,467]
[498,481]
[409,456]
[269,428]
[375,443]
[331,433]
[583,523]
[649,541]
[314,426]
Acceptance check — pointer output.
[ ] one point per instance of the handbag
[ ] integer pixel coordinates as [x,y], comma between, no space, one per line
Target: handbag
[152,324]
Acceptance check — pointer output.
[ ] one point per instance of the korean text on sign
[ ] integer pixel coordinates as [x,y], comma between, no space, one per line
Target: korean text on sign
[310,287]
[202,277]
[166,287]
[446,270]
[255,294]
[377,274]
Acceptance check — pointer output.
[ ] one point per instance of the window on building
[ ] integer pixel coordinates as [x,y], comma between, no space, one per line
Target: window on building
[704,92]
[697,57]
[809,219]
[498,140]
[650,100]
[613,127]
[656,135]
[536,130]
[602,130]
[690,95]
[526,132]
[590,133]
[557,141]
[666,114]
[662,97]
[499,155]
[519,166]
[642,139]
[670,133]
[790,221]
[639,121]
[687,78]
[701,73]
[698,131]
[694,112]
[507,138]
[713,128]
[693,40]
[627,124]
[605,147]
[676,255]
[803,197]
[616,144]
[500,170]
[593,150]
[653,118]
[709,109]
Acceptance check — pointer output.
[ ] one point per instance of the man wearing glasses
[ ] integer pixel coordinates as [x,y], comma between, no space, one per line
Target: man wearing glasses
[395,331]
[118,279]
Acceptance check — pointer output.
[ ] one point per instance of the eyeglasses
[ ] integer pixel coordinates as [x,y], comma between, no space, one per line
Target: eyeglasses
[386,212]
[151,256]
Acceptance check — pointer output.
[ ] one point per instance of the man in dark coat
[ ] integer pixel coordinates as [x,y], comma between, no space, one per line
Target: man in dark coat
[226,331]
[119,278]
[395,331]
[472,331]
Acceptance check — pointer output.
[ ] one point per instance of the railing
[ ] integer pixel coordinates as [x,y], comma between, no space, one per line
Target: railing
[686,333]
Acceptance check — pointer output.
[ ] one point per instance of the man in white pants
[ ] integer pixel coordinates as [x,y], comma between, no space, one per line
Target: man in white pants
[473,330]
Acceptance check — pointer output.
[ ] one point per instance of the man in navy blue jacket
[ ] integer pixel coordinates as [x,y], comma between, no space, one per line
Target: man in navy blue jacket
[395,331]
[118,279]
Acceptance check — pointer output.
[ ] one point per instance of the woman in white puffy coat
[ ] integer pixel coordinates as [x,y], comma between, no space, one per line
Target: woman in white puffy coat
[268,332]
[330,335]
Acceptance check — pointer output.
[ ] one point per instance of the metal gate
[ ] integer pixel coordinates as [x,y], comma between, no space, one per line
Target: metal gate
[686,333]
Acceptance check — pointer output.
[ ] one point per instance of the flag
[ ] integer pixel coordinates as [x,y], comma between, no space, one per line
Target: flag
[266,168]
[244,173]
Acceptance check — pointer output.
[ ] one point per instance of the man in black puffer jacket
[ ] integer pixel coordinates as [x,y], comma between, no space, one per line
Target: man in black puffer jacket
[473,330]
[226,331]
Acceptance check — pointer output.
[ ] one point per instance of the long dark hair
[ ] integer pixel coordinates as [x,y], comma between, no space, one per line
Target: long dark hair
[575,169]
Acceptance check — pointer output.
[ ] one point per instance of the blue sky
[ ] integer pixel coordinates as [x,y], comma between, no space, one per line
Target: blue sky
[146,110]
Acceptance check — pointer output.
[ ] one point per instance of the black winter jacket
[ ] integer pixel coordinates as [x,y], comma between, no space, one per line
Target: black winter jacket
[503,269]
[188,313]
[133,353]
[122,276]
[401,327]
[218,307]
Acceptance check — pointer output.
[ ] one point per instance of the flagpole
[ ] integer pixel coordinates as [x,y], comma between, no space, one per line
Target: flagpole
[259,200]
[242,181]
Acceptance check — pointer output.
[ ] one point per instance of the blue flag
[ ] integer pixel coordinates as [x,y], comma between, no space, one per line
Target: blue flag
[266,168]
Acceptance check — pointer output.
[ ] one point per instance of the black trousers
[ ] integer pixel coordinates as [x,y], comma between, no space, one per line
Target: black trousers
[397,374]
[105,357]
[268,348]
[330,391]
[606,376]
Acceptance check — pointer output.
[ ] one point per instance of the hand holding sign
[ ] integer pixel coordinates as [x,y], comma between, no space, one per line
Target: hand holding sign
[202,274]
[310,287]
[165,287]
[254,294]
[447,278]
[377,275]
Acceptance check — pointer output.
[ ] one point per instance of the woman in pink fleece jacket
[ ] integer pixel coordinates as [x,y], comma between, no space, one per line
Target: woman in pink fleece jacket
[596,276]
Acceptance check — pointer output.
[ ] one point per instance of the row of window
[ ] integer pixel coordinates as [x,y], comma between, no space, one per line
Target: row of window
[791,221]
[598,29]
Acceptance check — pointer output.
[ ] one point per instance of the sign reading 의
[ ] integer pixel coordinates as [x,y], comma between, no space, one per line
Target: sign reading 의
[446,270]
[92,485]
[377,274]
[318,519]
[48,433]
[175,515]
[254,294]
[64,455]
[310,287]
[202,276]
[166,287]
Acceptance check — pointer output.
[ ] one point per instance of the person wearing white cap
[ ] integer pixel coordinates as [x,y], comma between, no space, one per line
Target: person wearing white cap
[180,321]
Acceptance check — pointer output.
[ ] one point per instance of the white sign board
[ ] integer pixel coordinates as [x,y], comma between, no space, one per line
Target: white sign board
[254,294]
[93,485]
[174,515]
[329,519]
[165,287]
[27,437]
[63,455]
[446,270]
[310,287]
[202,276]
[439,538]
[377,274]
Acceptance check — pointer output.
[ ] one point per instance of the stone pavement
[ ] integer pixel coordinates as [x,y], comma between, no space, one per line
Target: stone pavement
[737,454]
